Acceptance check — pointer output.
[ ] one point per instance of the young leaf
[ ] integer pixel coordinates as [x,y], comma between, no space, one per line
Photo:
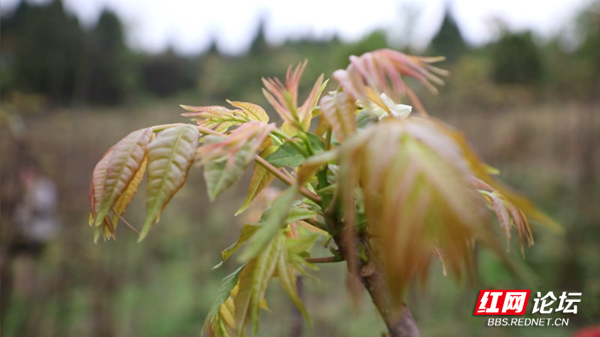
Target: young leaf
[125,198]
[305,111]
[170,155]
[339,111]
[222,172]
[287,278]
[97,185]
[247,232]
[261,178]
[286,155]
[502,214]
[300,213]
[416,198]
[121,165]
[315,143]
[223,293]
[311,165]
[274,220]
[253,111]
[253,283]
[216,117]
[227,157]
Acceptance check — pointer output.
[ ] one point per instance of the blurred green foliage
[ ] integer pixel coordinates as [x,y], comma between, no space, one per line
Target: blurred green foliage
[516,60]
[46,51]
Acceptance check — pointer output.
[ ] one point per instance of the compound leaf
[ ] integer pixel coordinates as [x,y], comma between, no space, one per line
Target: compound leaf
[253,282]
[287,278]
[170,155]
[116,170]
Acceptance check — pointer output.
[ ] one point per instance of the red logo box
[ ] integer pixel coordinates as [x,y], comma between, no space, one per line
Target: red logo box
[502,302]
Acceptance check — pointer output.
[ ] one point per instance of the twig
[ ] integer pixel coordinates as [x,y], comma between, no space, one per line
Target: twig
[315,223]
[326,259]
[125,222]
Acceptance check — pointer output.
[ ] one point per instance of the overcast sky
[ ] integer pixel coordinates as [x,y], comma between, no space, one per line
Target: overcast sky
[189,25]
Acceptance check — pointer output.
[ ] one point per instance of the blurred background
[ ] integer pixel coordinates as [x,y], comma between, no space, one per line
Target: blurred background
[76,76]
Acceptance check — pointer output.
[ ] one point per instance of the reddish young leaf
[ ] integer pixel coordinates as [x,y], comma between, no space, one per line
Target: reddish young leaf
[115,171]
[170,155]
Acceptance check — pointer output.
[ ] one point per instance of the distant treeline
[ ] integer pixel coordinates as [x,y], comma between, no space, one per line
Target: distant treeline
[45,51]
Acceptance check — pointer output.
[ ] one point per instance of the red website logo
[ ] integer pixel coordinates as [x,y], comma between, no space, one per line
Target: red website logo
[502,302]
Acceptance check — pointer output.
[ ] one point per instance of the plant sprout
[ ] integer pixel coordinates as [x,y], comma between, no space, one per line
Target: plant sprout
[386,190]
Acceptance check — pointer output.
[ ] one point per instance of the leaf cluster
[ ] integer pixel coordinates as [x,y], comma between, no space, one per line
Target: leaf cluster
[381,187]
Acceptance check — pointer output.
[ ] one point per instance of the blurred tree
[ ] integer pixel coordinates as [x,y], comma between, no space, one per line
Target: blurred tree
[515,59]
[448,41]
[589,52]
[259,43]
[109,62]
[168,73]
[44,50]
[373,41]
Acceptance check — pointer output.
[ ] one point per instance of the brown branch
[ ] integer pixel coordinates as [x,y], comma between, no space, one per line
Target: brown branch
[371,273]
[326,259]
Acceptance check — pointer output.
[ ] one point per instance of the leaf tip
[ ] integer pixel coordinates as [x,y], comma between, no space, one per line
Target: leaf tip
[186,107]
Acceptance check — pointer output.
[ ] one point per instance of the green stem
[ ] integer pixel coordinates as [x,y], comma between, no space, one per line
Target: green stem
[328,139]
[287,180]
[304,137]
[275,139]
[291,141]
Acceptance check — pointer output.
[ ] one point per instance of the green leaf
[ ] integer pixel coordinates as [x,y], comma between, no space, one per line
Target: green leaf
[287,278]
[170,155]
[303,243]
[223,293]
[315,143]
[300,213]
[247,232]
[286,155]
[311,165]
[261,178]
[253,282]
[274,220]
[265,268]
[116,171]
[222,172]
